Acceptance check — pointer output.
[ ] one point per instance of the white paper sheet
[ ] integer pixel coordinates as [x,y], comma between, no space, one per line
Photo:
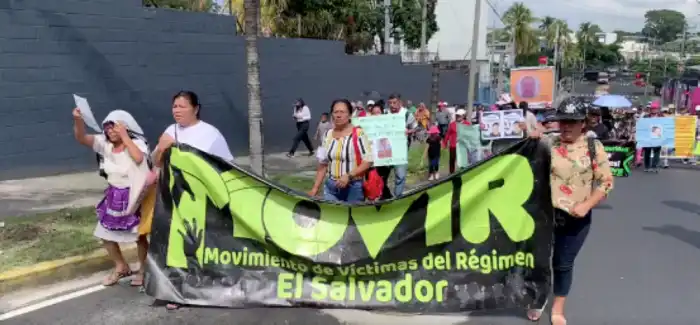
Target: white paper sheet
[89,119]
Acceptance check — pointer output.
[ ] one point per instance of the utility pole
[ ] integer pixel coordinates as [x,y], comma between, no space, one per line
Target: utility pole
[387,26]
[475,49]
[648,77]
[685,33]
[556,60]
[501,76]
[424,31]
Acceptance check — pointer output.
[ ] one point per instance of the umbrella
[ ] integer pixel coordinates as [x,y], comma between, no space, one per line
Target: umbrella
[612,101]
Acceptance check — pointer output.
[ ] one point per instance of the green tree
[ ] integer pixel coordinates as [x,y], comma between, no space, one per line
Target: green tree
[519,20]
[355,21]
[663,25]
[406,19]
[498,35]
[621,34]
[189,5]
[658,70]
[548,30]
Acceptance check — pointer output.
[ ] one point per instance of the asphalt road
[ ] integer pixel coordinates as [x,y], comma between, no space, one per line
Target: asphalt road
[616,87]
[639,266]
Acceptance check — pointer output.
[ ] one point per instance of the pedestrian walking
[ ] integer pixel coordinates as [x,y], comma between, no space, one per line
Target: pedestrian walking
[432,152]
[580,178]
[125,164]
[343,159]
[302,116]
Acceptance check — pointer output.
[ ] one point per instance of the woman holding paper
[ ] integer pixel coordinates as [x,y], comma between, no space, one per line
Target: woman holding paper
[126,166]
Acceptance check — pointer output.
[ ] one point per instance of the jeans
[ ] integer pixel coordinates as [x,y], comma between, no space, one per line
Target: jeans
[569,235]
[352,193]
[400,172]
[453,160]
[434,165]
[649,161]
[443,129]
[301,136]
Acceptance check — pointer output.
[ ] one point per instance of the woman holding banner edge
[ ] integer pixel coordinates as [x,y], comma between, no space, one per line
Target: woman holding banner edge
[580,179]
[345,157]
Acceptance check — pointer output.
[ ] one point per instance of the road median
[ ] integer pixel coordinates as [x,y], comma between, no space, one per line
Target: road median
[51,247]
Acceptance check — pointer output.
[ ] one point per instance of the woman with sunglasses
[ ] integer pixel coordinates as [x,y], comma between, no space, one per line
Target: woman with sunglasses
[126,167]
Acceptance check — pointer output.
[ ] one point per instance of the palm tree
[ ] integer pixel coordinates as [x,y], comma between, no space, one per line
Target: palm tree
[255,119]
[547,28]
[586,36]
[270,12]
[518,20]
[562,28]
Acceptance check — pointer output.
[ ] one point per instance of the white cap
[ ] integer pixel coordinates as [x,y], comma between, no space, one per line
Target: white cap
[370,102]
[461,111]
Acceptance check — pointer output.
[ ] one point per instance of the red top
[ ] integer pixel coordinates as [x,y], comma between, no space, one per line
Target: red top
[362,113]
[451,134]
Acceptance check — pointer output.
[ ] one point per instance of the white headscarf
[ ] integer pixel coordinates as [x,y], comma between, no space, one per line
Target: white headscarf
[138,173]
[123,117]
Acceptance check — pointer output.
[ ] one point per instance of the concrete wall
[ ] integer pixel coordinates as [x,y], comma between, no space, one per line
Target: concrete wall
[122,56]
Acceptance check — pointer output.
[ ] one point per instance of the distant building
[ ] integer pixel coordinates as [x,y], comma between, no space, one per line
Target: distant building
[634,50]
[606,38]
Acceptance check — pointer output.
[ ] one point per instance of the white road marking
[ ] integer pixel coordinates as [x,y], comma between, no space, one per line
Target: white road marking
[363,317]
[50,302]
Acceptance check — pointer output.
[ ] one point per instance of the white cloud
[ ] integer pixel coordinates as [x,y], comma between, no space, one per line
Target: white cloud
[626,15]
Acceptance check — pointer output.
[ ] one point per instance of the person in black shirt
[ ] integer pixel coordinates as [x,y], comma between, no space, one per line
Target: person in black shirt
[432,151]
[593,124]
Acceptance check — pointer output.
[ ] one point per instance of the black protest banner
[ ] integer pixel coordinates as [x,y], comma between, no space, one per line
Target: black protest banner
[480,239]
[621,156]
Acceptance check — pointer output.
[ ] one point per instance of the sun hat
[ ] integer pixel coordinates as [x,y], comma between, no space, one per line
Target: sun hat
[571,109]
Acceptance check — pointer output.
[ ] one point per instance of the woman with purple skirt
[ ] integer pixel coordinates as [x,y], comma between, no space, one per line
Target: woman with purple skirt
[125,163]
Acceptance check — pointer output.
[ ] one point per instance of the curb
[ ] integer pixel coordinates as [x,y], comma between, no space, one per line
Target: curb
[51,272]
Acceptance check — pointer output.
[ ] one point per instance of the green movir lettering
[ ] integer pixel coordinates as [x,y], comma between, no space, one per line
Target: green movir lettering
[262,213]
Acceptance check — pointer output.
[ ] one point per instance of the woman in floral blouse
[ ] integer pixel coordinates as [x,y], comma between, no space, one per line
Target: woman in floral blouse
[580,178]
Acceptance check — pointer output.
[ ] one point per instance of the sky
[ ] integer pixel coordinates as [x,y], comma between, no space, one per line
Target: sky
[627,15]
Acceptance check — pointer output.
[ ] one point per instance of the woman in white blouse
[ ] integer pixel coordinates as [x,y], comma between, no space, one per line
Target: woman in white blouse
[302,115]
[126,168]
[191,130]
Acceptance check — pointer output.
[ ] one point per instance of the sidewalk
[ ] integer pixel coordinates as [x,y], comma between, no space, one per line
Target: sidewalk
[44,194]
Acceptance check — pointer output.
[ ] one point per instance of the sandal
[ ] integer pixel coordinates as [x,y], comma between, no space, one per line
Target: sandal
[114,277]
[534,315]
[172,306]
[137,281]
[558,319]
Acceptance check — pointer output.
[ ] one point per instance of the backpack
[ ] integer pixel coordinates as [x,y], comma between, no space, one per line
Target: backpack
[593,154]
[373,184]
